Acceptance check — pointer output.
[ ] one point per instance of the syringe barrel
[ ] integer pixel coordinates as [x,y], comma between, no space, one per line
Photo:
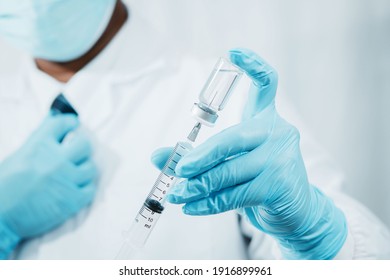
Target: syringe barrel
[212,99]
[153,206]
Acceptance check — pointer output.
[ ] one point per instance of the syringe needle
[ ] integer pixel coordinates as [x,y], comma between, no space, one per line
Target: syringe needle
[194,132]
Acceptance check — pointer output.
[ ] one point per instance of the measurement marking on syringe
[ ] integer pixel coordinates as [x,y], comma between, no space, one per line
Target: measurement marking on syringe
[159,189]
[163,182]
[142,215]
[155,195]
[156,183]
[174,161]
[170,168]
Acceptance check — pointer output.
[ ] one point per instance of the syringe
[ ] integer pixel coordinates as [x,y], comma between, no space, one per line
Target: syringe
[212,99]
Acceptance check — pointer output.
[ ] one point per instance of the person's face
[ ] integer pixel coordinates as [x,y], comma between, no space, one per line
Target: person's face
[58,30]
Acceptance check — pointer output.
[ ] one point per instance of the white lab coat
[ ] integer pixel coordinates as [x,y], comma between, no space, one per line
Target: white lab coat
[133,98]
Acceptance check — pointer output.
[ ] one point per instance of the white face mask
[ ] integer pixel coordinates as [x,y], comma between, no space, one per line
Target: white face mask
[57,30]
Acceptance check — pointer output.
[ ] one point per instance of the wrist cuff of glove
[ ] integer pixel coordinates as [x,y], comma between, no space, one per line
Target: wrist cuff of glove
[324,238]
[8,241]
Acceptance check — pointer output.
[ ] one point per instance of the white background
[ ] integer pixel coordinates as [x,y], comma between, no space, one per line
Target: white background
[333,59]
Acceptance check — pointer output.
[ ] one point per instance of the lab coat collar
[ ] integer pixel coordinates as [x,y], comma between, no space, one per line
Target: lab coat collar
[133,52]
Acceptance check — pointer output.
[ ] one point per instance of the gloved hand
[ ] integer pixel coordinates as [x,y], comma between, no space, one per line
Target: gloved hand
[257,168]
[45,182]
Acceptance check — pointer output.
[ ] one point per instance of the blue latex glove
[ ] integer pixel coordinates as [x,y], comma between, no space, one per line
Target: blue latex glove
[45,182]
[257,168]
